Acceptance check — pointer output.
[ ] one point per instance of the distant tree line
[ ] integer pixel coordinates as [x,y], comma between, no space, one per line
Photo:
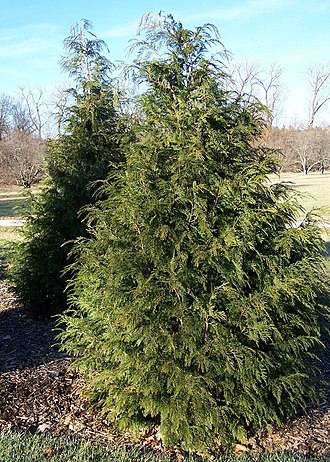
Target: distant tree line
[305,146]
[302,149]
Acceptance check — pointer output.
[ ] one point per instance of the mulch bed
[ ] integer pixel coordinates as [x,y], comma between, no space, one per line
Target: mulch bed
[38,393]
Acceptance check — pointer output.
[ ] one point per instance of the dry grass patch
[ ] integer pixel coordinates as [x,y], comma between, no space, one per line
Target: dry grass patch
[315,189]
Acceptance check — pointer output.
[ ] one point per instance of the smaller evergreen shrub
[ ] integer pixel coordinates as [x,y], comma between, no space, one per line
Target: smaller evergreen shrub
[75,159]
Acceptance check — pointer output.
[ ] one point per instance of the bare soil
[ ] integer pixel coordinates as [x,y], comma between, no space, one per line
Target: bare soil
[38,393]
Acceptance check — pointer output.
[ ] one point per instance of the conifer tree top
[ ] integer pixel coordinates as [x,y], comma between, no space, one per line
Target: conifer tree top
[165,45]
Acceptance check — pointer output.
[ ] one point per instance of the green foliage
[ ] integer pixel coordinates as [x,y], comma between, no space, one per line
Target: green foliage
[74,160]
[195,298]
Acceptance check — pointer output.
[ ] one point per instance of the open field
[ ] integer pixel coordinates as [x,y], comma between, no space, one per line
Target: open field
[314,187]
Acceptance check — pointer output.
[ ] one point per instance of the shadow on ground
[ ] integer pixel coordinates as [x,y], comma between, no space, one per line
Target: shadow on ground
[25,342]
[327,250]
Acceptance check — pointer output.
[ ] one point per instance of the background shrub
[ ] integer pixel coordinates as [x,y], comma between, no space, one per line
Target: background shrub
[83,154]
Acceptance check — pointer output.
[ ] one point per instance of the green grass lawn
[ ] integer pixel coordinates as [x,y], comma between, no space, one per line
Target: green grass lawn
[24,447]
[12,202]
[8,236]
[12,205]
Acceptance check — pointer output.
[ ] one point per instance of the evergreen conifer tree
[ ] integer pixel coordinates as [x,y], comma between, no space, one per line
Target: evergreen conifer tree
[81,155]
[195,298]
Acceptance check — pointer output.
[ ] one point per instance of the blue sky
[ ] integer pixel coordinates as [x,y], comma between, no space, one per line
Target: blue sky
[293,33]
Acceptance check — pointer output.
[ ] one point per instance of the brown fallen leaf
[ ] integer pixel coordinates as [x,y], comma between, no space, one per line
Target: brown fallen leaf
[51,451]
[43,427]
[48,453]
[240,449]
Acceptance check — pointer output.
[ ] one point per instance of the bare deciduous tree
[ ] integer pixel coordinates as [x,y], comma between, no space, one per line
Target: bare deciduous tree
[250,81]
[20,118]
[34,104]
[6,112]
[319,81]
[244,78]
[59,105]
[270,90]
[21,157]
